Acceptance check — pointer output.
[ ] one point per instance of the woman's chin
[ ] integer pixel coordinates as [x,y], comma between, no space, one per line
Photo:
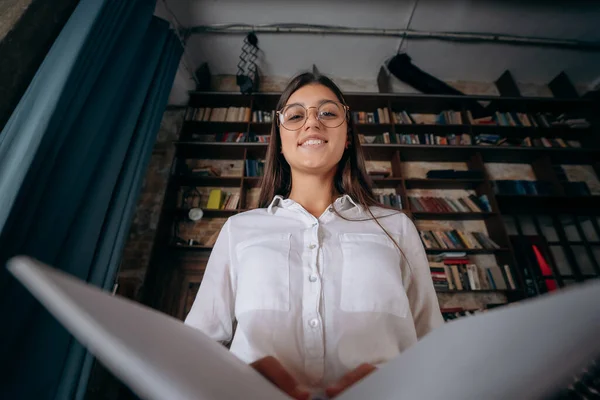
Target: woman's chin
[315,167]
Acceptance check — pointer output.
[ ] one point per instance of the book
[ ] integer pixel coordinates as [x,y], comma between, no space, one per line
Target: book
[161,358]
[214,199]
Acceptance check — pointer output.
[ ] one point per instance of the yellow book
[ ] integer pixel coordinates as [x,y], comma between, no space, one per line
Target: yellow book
[463,239]
[214,199]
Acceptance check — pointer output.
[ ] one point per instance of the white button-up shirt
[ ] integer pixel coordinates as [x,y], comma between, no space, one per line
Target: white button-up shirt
[322,295]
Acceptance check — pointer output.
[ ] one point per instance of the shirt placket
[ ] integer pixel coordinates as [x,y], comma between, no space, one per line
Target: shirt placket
[312,320]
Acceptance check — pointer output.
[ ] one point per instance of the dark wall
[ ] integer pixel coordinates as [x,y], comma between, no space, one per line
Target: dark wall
[24,47]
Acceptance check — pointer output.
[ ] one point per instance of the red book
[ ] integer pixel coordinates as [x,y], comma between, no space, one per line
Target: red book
[438,205]
[545,269]
[429,205]
[456,261]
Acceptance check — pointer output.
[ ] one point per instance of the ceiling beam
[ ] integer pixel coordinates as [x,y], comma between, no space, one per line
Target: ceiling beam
[464,37]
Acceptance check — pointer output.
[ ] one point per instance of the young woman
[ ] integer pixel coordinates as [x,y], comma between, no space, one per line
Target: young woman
[323,281]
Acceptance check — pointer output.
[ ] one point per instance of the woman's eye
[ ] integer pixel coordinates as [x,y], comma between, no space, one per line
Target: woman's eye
[295,117]
[327,114]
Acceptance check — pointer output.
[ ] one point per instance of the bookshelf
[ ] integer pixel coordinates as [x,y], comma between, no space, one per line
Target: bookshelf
[198,141]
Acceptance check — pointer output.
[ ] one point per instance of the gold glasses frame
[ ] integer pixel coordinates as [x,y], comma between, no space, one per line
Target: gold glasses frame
[279,114]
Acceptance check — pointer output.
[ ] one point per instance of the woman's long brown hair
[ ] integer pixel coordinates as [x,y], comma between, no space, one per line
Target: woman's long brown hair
[351,177]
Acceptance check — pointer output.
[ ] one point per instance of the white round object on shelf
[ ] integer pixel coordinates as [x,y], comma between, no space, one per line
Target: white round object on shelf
[195,214]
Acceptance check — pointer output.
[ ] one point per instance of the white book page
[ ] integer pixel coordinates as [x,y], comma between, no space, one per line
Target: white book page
[521,351]
[518,351]
[157,356]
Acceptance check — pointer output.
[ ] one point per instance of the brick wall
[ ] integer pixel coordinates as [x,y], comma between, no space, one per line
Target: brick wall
[136,255]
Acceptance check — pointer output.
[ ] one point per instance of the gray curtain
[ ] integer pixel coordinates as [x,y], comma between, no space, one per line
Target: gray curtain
[72,160]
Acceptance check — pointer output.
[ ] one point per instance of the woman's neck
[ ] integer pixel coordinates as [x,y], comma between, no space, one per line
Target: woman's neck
[313,192]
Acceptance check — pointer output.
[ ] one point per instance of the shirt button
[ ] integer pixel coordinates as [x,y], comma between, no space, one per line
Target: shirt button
[313,323]
[315,224]
[312,246]
[312,278]
[330,209]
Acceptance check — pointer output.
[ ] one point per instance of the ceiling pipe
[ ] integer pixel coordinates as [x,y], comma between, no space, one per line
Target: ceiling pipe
[465,37]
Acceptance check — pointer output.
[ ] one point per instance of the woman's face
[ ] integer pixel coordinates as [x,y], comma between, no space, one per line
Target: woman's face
[314,148]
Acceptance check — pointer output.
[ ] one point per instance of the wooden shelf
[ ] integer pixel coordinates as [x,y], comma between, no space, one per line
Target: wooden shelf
[213,127]
[452,215]
[427,152]
[468,251]
[475,157]
[185,248]
[429,128]
[409,152]
[478,291]
[260,128]
[443,183]
[210,213]
[534,132]
[573,243]
[575,204]
[272,97]
[189,248]
[224,181]
[390,182]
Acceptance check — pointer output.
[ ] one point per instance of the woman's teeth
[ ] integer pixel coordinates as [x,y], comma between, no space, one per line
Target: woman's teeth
[312,142]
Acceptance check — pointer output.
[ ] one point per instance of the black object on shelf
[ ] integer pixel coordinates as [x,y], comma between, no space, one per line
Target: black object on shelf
[402,68]
[577,189]
[562,87]
[453,174]
[247,76]
[203,79]
[507,86]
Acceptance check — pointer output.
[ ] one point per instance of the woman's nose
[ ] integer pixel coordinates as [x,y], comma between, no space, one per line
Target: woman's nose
[311,117]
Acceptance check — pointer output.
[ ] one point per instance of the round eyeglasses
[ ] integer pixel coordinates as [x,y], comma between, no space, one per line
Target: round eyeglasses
[330,113]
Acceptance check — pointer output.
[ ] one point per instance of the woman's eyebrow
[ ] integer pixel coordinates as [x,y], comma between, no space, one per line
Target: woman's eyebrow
[324,101]
[304,104]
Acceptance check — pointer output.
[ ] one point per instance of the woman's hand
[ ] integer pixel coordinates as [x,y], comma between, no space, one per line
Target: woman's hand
[271,368]
[349,379]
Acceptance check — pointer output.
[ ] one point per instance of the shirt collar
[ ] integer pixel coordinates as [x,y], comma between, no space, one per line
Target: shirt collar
[342,203]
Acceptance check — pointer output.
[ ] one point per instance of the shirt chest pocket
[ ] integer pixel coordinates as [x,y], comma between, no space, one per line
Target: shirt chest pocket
[371,276]
[263,274]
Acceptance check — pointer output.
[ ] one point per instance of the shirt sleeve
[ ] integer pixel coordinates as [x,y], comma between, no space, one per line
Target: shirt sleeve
[419,288]
[213,308]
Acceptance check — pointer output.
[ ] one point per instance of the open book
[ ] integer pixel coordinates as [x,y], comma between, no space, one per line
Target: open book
[526,350]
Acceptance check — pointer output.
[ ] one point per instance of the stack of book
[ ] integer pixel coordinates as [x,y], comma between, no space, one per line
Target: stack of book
[220,114]
[486,139]
[379,169]
[383,138]
[263,116]
[572,121]
[456,239]
[230,137]
[521,187]
[255,168]
[448,117]
[462,139]
[390,200]
[463,274]
[450,314]
[401,117]
[220,200]
[256,138]
[380,116]
[471,203]
[537,120]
